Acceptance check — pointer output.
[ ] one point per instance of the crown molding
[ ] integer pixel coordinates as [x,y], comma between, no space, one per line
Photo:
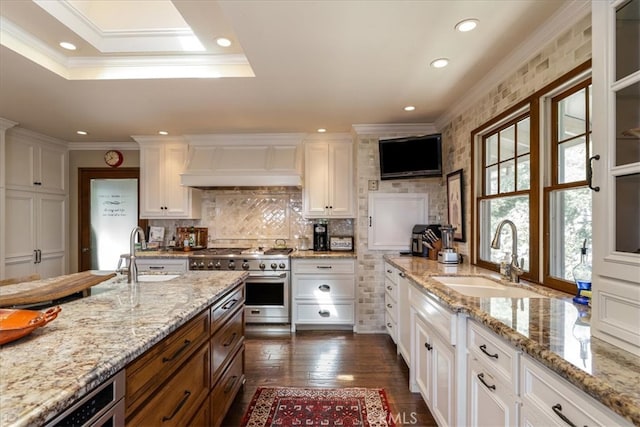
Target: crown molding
[402,128]
[6,124]
[566,17]
[90,146]
[27,133]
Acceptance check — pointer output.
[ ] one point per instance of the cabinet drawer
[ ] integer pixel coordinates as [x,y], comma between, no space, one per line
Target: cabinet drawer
[325,287]
[391,307]
[391,288]
[391,326]
[391,273]
[328,314]
[156,365]
[226,307]
[177,401]
[556,398]
[161,265]
[225,342]
[226,389]
[323,266]
[441,319]
[493,353]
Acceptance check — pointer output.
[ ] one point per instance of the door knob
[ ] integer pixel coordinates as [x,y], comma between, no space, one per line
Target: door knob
[86,249]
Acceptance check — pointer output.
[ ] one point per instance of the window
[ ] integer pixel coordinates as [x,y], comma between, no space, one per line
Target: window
[510,181]
[506,166]
[567,197]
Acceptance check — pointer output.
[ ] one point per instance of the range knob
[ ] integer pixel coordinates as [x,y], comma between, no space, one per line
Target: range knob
[282,265]
[210,265]
[245,265]
[232,265]
[201,265]
[218,265]
[194,265]
[274,265]
[262,266]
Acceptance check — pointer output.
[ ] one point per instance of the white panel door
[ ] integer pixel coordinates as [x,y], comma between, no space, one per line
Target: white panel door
[316,179]
[151,181]
[20,229]
[341,180]
[392,217]
[52,165]
[176,197]
[20,164]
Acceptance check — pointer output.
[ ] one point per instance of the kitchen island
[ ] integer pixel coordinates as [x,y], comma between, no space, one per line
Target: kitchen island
[94,338]
[546,330]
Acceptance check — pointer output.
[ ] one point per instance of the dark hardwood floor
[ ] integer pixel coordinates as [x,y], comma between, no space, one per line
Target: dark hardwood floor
[329,359]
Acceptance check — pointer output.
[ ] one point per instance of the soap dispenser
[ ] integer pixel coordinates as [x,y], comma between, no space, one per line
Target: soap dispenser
[582,277]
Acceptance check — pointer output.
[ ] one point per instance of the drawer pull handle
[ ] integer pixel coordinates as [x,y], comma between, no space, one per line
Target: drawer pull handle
[156,267]
[481,378]
[389,271]
[324,313]
[324,288]
[229,304]
[390,305]
[231,340]
[177,353]
[187,393]
[402,275]
[557,408]
[389,325]
[390,288]
[428,346]
[483,347]
[323,266]
[230,384]
[255,311]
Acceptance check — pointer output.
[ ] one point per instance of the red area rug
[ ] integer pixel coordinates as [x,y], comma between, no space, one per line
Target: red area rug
[285,406]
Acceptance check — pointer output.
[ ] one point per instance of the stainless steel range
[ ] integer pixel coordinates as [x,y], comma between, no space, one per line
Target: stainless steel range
[268,286]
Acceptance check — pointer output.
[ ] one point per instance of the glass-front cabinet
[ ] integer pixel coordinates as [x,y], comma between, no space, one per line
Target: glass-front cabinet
[615,179]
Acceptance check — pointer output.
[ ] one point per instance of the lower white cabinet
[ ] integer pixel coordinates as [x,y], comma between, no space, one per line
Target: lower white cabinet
[548,400]
[161,265]
[391,302]
[323,293]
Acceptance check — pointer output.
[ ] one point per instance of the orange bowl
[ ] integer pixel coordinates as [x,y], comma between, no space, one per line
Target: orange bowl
[15,323]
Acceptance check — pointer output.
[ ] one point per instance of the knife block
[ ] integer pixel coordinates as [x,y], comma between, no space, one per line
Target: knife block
[433,253]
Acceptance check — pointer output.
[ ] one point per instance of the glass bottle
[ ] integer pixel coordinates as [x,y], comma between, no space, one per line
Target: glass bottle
[582,277]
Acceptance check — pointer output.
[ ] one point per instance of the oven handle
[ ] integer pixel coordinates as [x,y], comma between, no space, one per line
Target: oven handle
[270,277]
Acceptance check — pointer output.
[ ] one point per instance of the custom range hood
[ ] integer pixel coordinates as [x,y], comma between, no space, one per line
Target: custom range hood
[243,160]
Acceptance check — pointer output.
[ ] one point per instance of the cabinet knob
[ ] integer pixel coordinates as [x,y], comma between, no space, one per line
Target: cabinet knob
[324,313]
[324,288]
[389,305]
[428,346]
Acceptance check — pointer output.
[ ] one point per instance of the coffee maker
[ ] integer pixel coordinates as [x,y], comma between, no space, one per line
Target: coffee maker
[418,248]
[320,237]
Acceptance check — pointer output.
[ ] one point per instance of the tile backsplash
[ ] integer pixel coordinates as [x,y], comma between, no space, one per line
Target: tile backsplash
[254,216]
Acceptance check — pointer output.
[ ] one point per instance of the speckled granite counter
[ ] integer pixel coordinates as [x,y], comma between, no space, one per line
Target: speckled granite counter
[543,328]
[323,254]
[95,337]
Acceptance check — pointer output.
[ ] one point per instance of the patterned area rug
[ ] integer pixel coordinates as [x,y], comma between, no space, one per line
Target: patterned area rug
[285,406]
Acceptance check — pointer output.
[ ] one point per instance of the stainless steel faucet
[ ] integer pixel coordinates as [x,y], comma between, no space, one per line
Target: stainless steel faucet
[132,276]
[514,270]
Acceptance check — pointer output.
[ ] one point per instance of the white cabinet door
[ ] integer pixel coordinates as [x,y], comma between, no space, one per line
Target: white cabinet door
[490,402]
[162,195]
[35,166]
[392,217]
[423,344]
[616,206]
[36,234]
[404,319]
[328,180]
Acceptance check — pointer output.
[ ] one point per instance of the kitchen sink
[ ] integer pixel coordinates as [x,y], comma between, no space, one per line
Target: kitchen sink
[156,277]
[482,287]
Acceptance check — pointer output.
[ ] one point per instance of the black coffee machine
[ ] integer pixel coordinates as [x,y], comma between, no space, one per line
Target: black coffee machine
[417,248]
[320,237]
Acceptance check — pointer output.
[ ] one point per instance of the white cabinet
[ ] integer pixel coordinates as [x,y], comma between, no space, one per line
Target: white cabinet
[616,206]
[161,193]
[161,265]
[391,301]
[323,293]
[548,400]
[397,318]
[35,163]
[35,234]
[392,217]
[328,178]
[434,371]
[492,379]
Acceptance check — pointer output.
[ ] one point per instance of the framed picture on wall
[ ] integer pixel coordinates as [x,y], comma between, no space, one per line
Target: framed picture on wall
[455,204]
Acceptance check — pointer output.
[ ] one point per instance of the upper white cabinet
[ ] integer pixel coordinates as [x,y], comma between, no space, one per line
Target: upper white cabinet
[616,176]
[161,193]
[392,217]
[35,162]
[328,177]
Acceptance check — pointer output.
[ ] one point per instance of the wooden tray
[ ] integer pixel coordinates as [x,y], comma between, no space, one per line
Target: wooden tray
[50,290]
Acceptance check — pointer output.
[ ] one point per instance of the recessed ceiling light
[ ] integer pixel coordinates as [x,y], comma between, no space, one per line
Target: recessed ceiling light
[322,130]
[67,45]
[409,108]
[223,42]
[163,132]
[440,63]
[81,132]
[466,25]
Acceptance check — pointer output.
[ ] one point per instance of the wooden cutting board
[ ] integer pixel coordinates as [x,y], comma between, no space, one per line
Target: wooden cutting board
[49,289]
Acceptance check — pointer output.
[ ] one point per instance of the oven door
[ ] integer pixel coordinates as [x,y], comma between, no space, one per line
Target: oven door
[267,298]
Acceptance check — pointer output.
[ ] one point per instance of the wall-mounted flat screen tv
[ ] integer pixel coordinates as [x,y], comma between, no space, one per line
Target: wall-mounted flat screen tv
[412,157]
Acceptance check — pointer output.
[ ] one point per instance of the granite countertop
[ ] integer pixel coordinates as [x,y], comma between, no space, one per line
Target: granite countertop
[95,337]
[543,328]
[297,254]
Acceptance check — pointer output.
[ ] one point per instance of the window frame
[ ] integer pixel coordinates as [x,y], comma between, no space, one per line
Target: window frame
[538,196]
